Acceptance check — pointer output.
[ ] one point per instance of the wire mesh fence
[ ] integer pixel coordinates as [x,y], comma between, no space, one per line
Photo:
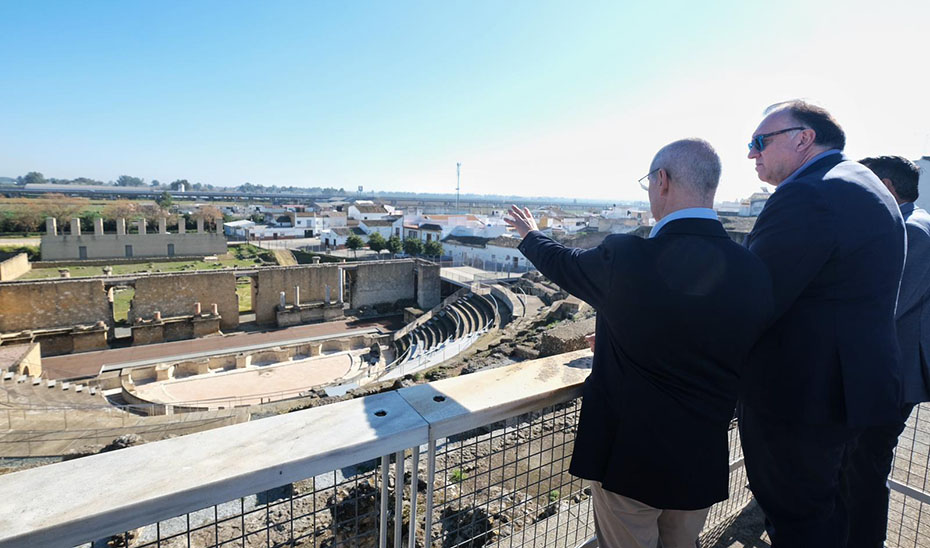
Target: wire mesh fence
[909,507]
[504,484]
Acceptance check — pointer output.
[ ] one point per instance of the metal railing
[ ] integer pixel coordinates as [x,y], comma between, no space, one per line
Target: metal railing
[475,460]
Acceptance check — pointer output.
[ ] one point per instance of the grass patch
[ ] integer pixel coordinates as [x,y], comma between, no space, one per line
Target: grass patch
[244,291]
[122,297]
[458,475]
[251,256]
[31,251]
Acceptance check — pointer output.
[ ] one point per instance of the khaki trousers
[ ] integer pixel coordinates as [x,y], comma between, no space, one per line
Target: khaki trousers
[622,522]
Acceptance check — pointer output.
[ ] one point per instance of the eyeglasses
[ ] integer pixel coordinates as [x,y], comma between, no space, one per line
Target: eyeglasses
[645,186]
[758,142]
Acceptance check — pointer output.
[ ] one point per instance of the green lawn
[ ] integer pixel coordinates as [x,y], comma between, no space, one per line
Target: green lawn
[244,291]
[121,300]
[242,256]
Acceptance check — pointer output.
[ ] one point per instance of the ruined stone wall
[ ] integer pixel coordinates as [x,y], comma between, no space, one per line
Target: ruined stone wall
[14,267]
[103,246]
[175,295]
[47,304]
[312,279]
[387,282]
[429,285]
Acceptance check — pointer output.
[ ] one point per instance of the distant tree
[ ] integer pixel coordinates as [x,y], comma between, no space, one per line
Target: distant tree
[176,185]
[27,217]
[212,216]
[165,200]
[33,178]
[433,248]
[413,246]
[376,242]
[154,183]
[354,242]
[86,181]
[128,180]
[120,209]
[394,245]
[61,207]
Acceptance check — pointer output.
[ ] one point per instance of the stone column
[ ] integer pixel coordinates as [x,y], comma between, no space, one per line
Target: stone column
[121,227]
[162,225]
[98,226]
[342,285]
[296,295]
[75,227]
[51,226]
[181,227]
[197,308]
[215,309]
[200,225]
[283,301]
[328,291]
[141,225]
[315,259]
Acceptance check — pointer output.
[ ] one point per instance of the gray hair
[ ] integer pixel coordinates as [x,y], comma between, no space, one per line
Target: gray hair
[692,162]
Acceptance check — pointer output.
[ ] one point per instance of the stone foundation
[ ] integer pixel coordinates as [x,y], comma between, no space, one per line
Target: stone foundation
[308,313]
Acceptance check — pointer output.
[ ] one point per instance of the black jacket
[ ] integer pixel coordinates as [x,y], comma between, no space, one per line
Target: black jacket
[833,240]
[676,317]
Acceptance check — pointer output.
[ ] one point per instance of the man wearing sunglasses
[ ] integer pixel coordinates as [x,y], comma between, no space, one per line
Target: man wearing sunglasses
[676,316]
[832,238]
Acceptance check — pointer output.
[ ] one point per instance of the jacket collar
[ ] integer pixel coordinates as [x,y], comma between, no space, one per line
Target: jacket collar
[696,227]
[823,164]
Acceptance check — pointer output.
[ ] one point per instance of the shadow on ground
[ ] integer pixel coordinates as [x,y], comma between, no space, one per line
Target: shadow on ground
[746,531]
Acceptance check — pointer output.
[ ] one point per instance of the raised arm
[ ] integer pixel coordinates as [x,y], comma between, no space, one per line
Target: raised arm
[583,273]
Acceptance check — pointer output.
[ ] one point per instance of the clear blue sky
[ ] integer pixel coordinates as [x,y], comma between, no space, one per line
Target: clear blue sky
[533,97]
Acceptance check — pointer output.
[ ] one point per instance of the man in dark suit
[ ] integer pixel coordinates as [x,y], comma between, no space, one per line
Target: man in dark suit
[870,460]
[676,316]
[832,238]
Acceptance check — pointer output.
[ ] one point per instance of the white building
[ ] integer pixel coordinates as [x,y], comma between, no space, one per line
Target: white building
[337,237]
[238,229]
[364,210]
[391,226]
[313,223]
[498,254]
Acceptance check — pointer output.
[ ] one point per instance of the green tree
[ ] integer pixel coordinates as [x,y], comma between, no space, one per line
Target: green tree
[354,242]
[165,200]
[127,180]
[176,185]
[433,248]
[413,246]
[376,242]
[394,245]
[33,178]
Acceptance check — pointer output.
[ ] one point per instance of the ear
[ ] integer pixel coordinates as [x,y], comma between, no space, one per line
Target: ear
[662,180]
[890,186]
[807,138]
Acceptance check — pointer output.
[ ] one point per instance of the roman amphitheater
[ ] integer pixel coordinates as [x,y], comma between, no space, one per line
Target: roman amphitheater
[188,359]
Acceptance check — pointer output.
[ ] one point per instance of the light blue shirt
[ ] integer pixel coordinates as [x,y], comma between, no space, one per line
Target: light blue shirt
[807,164]
[687,213]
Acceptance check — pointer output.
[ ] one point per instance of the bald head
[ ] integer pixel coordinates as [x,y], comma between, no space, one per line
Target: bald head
[692,164]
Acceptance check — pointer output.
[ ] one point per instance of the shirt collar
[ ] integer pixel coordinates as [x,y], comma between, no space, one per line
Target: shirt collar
[807,164]
[907,208]
[687,213]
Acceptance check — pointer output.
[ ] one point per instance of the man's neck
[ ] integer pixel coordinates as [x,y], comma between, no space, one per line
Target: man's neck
[685,204]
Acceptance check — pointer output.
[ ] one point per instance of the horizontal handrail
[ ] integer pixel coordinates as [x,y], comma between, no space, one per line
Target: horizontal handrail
[235,461]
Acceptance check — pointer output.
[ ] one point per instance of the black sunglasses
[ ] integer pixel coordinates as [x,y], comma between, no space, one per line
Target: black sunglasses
[758,142]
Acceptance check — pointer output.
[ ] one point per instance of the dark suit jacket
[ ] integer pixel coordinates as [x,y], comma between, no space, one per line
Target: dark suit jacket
[676,316]
[913,314]
[833,240]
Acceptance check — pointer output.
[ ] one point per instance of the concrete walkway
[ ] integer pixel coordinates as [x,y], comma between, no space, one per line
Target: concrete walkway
[90,363]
